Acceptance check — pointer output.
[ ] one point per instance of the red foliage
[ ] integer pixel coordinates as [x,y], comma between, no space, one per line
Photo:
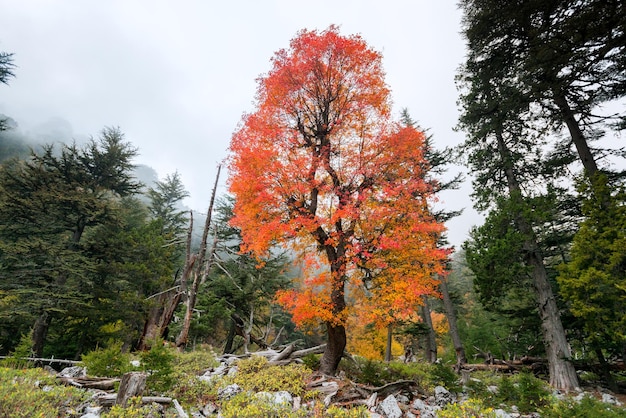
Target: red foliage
[320,166]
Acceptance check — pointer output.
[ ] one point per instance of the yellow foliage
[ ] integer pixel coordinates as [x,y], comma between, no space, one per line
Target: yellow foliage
[370,342]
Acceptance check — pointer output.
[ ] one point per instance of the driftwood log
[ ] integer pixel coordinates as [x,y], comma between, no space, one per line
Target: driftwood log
[102,383]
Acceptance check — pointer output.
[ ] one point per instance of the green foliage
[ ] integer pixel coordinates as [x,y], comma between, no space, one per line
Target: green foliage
[253,374]
[109,361]
[379,373]
[196,361]
[22,351]
[587,407]
[524,391]
[134,409]
[472,408]
[593,280]
[158,362]
[28,393]
[354,412]
[249,405]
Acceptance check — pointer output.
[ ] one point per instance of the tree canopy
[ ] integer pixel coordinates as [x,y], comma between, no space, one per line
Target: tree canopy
[321,166]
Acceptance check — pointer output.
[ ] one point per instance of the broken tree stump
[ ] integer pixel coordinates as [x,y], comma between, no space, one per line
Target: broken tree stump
[132,384]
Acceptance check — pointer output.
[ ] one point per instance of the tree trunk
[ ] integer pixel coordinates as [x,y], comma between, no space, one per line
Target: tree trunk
[228,347]
[605,371]
[562,373]
[389,341]
[334,348]
[159,317]
[40,331]
[200,271]
[454,330]
[430,350]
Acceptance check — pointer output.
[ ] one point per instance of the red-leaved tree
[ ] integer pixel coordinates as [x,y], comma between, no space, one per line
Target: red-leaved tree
[321,167]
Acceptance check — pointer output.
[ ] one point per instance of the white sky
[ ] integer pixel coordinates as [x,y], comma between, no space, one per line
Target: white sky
[176,76]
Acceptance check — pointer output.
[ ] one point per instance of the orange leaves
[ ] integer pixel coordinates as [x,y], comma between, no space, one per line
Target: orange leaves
[321,166]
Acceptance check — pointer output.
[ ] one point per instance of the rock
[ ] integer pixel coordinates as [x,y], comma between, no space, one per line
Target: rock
[610,399]
[443,396]
[74,371]
[90,415]
[425,410]
[229,391]
[501,413]
[389,408]
[283,398]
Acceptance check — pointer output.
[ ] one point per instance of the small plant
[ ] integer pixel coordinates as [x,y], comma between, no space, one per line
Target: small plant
[23,350]
[109,361]
[356,412]
[158,362]
[133,409]
[533,393]
[587,407]
[443,375]
[472,408]
[249,405]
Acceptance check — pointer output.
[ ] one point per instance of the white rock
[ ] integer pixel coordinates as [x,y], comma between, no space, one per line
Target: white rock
[229,391]
[283,398]
[389,407]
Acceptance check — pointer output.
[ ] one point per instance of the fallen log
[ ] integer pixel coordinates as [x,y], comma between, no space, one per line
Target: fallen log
[101,383]
[108,400]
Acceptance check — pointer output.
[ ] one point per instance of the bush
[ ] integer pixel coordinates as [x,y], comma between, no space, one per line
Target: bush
[471,408]
[23,350]
[109,361]
[587,407]
[158,362]
[248,405]
[255,375]
[34,393]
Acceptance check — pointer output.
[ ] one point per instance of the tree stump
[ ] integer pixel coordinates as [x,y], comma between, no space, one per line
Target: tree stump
[132,384]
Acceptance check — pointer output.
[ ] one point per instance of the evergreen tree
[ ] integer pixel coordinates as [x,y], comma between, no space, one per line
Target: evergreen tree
[47,203]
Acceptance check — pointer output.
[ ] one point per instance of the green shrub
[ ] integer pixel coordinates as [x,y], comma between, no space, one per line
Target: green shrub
[356,412]
[587,407]
[255,375]
[194,362]
[133,409]
[191,391]
[248,405]
[35,393]
[533,393]
[158,362]
[472,408]
[443,375]
[23,350]
[109,361]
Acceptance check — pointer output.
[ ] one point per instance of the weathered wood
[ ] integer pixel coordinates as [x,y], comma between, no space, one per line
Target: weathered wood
[132,384]
[319,349]
[45,360]
[283,354]
[109,399]
[90,382]
[179,409]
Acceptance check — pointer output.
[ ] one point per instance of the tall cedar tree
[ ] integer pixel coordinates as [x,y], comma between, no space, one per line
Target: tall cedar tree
[503,151]
[321,166]
[46,204]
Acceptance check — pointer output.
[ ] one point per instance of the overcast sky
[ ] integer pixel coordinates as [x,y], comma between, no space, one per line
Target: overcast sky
[176,76]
